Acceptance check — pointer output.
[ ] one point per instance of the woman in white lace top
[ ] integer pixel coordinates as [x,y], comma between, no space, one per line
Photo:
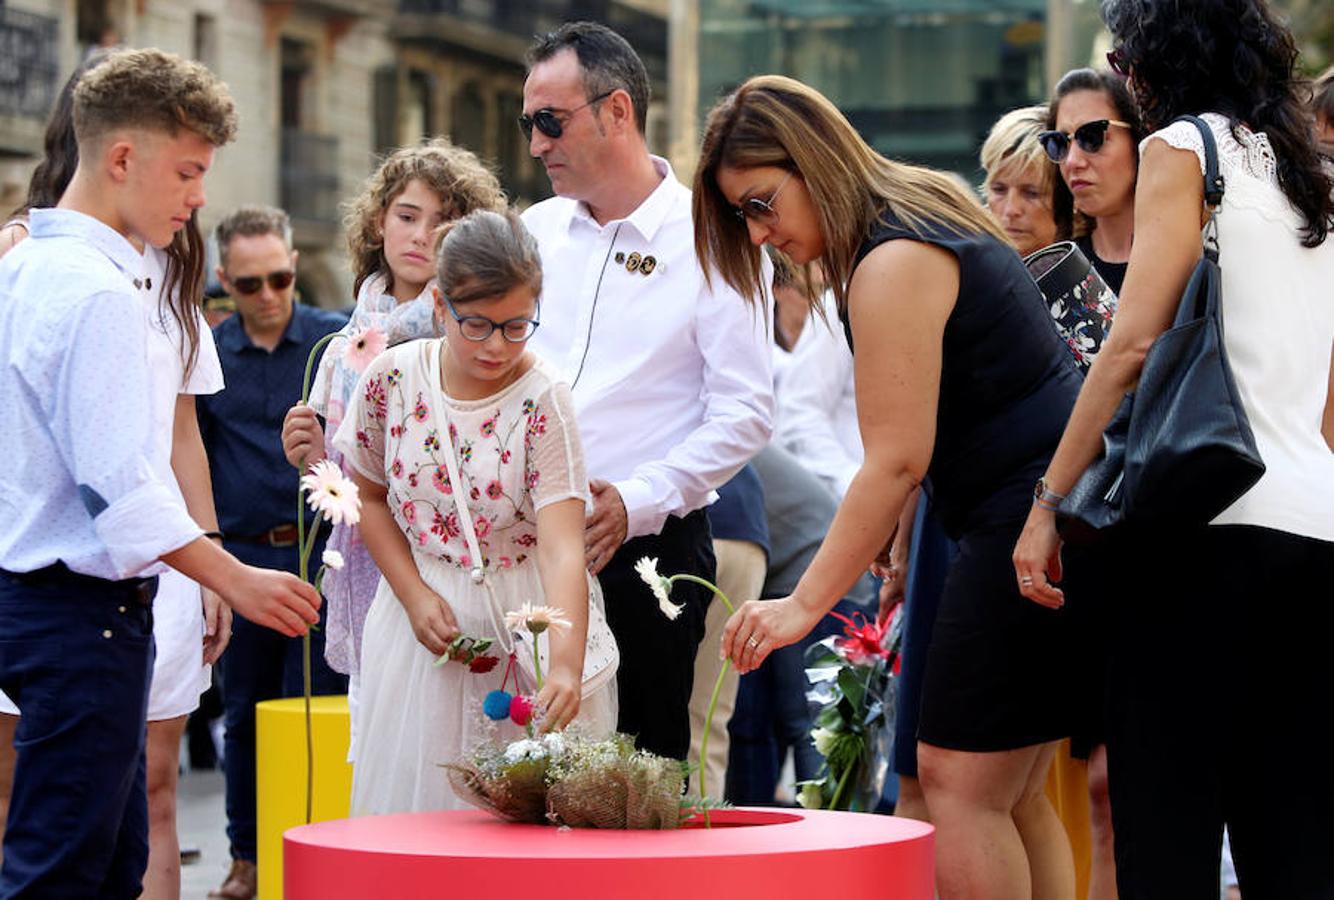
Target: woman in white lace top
[1227,622]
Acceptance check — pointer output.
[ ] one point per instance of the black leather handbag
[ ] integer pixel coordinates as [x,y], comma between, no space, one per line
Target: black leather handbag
[1179,449]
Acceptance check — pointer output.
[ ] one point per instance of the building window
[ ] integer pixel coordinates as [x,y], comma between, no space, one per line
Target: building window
[206,39]
[419,111]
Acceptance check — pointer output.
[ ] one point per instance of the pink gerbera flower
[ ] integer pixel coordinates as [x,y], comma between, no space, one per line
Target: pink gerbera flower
[362,348]
[331,493]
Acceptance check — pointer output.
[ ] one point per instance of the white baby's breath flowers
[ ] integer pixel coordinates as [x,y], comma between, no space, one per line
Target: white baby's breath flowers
[647,568]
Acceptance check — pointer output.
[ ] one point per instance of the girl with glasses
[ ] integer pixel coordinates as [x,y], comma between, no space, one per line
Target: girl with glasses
[393,229]
[476,394]
[961,382]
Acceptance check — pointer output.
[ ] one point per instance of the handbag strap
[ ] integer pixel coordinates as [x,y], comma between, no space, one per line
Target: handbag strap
[477,572]
[1214,183]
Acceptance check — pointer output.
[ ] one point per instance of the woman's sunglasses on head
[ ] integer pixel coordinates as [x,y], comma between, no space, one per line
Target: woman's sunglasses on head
[251,284]
[551,122]
[1090,137]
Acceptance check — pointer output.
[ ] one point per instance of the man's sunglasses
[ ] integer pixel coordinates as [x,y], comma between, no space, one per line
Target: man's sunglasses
[758,210]
[1090,137]
[479,328]
[551,122]
[251,284]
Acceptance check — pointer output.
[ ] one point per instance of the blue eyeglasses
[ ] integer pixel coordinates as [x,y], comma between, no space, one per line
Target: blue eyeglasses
[479,328]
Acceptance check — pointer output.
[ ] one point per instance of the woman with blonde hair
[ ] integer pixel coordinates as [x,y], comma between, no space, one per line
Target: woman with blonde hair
[962,384]
[1020,186]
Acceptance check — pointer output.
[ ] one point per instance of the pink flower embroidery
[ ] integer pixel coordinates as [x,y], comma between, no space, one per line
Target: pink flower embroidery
[505,456]
[465,560]
[421,538]
[506,562]
[489,427]
[475,494]
[409,511]
[494,490]
[420,412]
[395,430]
[432,441]
[526,540]
[532,479]
[537,424]
[396,469]
[412,479]
[438,524]
[376,399]
[451,525]
[440,478]
[482,525]
[363,440]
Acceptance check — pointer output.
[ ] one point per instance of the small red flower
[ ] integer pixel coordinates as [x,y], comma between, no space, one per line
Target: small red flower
[862,643]
[483,664]
[495,490]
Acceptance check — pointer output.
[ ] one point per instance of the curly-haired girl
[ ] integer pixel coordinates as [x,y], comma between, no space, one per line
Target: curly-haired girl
[393,229]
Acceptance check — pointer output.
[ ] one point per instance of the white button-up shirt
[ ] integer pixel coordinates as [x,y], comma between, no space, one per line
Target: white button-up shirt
[77,485]
[817,405]
[672,380]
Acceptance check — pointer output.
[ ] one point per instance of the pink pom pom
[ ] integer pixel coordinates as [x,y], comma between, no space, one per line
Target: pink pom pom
[521,710]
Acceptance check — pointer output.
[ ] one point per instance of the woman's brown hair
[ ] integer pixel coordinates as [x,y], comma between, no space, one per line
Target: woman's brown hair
[776,121]
[462,182]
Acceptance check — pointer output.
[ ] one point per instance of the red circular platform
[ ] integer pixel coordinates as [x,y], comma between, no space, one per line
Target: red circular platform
[763,853]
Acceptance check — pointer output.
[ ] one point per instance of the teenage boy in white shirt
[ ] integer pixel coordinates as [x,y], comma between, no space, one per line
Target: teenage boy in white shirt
[671,380]
[85,525]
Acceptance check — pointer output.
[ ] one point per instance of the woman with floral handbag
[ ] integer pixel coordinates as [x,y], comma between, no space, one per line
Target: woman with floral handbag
[1223,621]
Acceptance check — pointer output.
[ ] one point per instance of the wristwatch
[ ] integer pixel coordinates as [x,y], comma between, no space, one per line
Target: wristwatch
[1045,497]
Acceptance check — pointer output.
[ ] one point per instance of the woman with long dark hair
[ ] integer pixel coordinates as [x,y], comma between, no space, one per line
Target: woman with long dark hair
[960,376]
[1226,622]
[191,625]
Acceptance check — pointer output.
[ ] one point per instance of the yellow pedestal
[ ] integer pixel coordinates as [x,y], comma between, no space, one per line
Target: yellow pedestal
[280,747]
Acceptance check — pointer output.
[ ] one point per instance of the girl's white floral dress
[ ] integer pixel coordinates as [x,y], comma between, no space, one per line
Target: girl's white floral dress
[518,450]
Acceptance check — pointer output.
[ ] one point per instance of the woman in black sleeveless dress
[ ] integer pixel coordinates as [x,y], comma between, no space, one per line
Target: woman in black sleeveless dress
[963,385]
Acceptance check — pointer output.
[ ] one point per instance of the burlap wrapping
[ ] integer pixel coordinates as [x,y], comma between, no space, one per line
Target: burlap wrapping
[518,794]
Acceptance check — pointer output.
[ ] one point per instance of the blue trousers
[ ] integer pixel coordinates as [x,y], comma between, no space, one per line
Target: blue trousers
[261,664]
[77,660]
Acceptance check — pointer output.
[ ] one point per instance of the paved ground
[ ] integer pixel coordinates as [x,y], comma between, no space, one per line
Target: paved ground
[202,823]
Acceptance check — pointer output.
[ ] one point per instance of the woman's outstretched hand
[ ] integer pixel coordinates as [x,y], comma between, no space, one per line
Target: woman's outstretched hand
[760,627]
[1037,559]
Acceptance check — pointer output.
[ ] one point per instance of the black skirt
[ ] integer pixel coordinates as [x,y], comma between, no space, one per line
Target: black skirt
[1002,671]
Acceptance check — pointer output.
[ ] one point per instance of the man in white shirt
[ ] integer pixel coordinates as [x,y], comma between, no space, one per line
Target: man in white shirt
[85,524]
[671,379]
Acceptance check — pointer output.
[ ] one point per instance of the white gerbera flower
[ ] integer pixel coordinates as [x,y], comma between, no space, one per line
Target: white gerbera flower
[647,568]
[331,493]
[536,619]
[333,559]
[810,796]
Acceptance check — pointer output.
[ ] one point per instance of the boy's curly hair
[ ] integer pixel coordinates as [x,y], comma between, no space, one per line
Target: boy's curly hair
[155,90]
[462,182]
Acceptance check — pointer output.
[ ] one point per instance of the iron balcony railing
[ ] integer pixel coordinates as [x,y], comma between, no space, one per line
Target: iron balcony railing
[29,63]
[308,177]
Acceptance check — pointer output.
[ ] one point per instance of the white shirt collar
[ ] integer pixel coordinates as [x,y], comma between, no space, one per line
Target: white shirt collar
[649,216]
[111,243]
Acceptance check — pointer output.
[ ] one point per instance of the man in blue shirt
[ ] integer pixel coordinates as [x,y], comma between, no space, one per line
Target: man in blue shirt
[263,350]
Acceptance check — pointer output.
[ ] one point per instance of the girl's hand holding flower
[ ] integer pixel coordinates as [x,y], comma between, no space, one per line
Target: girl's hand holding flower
[433,622]
[559,699]
[303,437]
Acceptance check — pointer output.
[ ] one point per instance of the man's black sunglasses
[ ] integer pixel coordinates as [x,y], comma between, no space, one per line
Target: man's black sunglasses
[1089,136]
[551,122]
[251,284]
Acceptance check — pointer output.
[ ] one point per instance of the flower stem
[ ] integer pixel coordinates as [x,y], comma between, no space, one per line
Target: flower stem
[537,664]
[713,587]
[838,791]
[704,741]
[304,549]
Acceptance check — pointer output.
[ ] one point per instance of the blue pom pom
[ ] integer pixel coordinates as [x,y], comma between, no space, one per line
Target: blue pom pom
[497,705]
